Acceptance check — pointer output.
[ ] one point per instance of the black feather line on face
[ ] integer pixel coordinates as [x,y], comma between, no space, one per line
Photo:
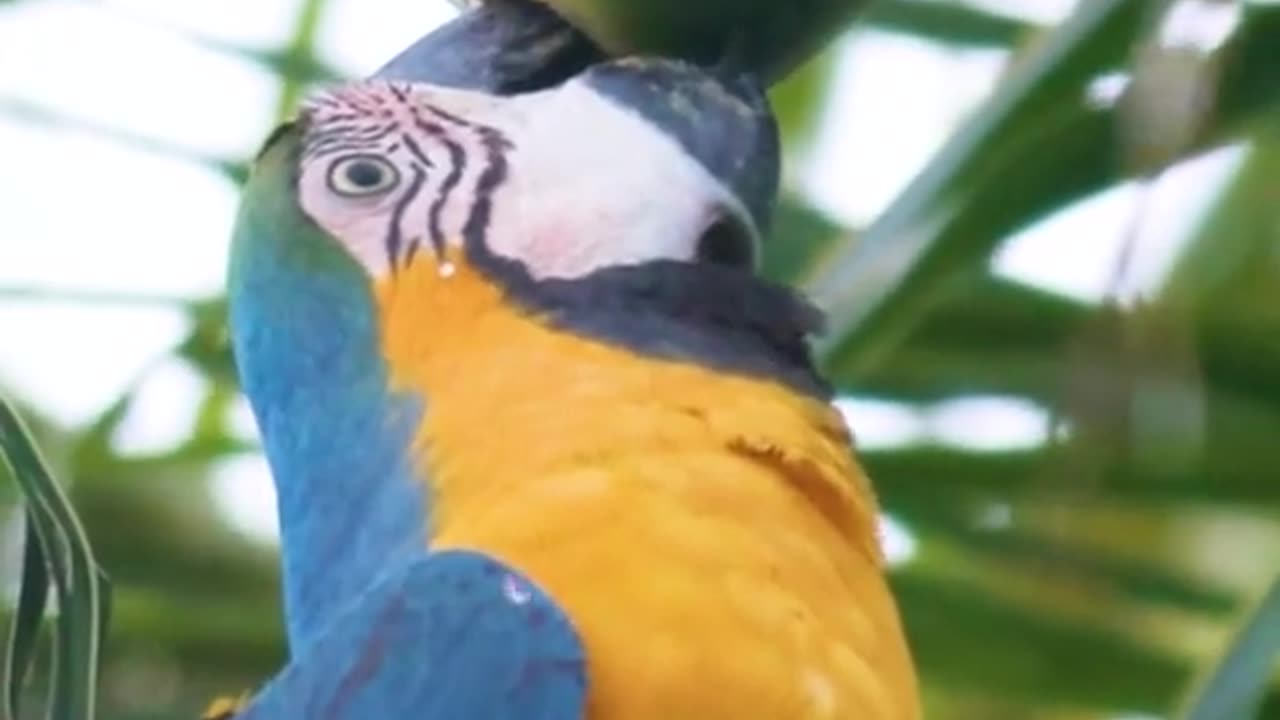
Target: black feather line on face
[394,234]
[491,179]
[333,140]
[416,150]
[421,162]
[457,166]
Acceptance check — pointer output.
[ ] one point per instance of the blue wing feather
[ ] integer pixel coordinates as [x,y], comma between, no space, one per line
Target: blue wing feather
[452,635]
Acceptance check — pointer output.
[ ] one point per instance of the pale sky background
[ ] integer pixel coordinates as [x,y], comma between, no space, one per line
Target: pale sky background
[82,213]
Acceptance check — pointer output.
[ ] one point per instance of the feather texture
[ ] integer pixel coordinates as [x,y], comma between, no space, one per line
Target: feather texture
[447,636]
[305,333]
[709,533]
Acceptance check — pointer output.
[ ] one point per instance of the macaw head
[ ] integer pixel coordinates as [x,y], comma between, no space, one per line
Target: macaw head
[629,162]
[624,163]
[503,142]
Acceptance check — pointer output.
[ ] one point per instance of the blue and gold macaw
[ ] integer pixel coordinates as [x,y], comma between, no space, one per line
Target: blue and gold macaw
[545,447]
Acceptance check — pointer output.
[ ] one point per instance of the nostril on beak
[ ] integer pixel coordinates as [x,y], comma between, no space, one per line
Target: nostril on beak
[727,243]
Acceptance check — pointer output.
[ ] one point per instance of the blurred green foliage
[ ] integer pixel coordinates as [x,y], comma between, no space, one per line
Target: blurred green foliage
[56,553]
[1134,541]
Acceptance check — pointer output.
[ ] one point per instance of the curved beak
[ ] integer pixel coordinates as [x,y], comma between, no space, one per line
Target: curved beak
[720,116]
[501,47]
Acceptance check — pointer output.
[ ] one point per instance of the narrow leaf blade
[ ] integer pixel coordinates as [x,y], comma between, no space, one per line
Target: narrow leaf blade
[33,597]
[1235,687]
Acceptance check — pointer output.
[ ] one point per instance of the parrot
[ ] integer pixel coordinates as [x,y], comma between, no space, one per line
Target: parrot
[545,444]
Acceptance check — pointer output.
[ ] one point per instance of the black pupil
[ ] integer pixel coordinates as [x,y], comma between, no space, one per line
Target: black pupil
[365,174]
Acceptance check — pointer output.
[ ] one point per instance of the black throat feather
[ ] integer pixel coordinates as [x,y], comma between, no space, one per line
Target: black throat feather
[718,317]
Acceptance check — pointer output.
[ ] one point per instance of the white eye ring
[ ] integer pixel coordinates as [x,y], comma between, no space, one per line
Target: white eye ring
[358,176]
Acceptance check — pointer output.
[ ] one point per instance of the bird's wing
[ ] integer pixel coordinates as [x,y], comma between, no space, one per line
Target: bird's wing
[452,635]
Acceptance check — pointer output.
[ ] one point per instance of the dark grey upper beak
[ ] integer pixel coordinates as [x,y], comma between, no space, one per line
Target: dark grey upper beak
[501,47]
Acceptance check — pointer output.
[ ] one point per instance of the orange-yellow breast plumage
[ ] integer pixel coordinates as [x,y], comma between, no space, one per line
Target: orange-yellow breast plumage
[710,535]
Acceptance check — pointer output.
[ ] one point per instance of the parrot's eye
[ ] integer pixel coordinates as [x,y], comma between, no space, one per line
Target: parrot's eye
[362,176]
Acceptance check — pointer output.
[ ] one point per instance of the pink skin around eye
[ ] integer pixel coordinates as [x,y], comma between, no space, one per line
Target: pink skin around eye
[586,185]
[361,224]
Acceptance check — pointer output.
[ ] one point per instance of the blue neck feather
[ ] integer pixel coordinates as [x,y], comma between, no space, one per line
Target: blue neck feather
[305,334]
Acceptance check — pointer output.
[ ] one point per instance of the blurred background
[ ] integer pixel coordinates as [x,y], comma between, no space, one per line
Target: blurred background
[1048,235]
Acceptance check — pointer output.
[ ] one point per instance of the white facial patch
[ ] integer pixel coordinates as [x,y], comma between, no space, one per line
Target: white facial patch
[565,181]
[594,185]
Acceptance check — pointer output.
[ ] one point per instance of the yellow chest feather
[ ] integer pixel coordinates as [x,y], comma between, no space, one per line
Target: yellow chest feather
[709,534]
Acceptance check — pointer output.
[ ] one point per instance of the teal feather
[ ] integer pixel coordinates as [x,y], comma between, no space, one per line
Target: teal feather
[304,331]
[451,635]
[379,626]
